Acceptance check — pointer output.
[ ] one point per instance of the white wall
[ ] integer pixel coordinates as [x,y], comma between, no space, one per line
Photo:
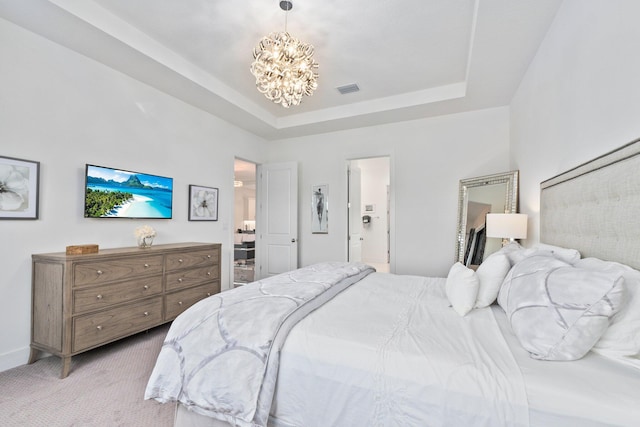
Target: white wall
[65,110]
[428,158]
[580,97]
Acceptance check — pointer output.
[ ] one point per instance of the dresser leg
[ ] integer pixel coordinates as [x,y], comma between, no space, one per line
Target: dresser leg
[33,355]
[66,366]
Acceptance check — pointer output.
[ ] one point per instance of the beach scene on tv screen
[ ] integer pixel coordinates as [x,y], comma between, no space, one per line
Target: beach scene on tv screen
[123,194]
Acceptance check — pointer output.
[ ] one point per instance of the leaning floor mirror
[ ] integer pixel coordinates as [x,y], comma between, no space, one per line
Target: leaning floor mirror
[497,193]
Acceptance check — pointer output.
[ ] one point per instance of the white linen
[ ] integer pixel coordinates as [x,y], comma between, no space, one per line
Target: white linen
[594,391]
[389,351]
[557,311]
[622,338]
[568,255]
[239,238]
[513,251]
[220,356]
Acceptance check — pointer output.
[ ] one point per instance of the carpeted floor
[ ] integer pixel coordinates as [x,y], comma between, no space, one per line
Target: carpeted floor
[105,388]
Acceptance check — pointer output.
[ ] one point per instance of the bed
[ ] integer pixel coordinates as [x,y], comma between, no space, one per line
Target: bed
[356,347]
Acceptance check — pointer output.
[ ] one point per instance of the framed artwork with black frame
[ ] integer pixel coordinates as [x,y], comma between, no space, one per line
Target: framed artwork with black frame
[320,209]
[203,203]
[19,187]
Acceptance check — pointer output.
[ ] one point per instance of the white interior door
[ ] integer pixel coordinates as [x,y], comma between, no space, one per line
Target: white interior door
[355,217]
[278,219]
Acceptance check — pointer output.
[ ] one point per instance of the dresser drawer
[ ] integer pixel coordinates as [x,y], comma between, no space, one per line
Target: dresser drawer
[94,329]
[93,273]
[103,296]
[186,278]
[80,302]
[207,257]
[177,302]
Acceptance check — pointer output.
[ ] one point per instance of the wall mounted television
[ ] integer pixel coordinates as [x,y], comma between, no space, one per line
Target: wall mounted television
[117,193]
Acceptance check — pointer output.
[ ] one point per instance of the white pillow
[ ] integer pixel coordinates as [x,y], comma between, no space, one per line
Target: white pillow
[570,256]
[517,253]
[462,288]
[514,252]
[622,338]
[558,312]
[491,274]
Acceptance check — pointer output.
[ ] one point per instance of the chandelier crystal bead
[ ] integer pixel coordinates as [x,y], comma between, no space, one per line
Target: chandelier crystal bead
[284,68]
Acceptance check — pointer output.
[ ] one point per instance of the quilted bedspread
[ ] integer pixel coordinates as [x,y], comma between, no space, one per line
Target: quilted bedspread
[220,357]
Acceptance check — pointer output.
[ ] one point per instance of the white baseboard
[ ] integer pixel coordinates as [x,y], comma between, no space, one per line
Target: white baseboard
[14,358]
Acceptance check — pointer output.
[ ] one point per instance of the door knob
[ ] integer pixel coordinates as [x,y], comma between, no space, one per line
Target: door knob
[293,240]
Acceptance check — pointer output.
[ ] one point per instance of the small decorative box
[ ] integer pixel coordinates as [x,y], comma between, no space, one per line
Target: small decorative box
[82,249]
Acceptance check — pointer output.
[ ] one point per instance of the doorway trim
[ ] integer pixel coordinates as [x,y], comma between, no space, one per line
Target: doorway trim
[245,274]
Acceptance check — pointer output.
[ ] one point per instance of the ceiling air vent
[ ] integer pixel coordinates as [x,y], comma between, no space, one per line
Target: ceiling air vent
[348,89]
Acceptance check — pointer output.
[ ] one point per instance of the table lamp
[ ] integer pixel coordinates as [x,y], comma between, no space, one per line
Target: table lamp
[507,226]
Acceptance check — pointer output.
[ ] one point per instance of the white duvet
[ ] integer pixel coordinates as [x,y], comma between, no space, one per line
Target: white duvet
[220,357]
[406,358]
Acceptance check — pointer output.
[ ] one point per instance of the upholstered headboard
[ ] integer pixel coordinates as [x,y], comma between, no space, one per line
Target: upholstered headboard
[595,207]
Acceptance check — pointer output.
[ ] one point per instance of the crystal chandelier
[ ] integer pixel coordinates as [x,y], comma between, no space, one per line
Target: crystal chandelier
[284,67]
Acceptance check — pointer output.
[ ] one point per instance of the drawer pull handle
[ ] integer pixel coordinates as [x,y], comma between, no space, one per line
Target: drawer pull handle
[146,313]
[180,260]
[179,302]
[99,272]
[208,273]
[146,287]
[208,256]
[146,265]
[180,280]
[99,296]
[208,294]
[99,327]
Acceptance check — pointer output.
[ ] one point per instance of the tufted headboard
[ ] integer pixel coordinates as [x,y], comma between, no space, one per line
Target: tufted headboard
[595,207]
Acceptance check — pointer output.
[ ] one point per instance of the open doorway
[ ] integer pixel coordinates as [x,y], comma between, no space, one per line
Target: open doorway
[244,251]
[369,212]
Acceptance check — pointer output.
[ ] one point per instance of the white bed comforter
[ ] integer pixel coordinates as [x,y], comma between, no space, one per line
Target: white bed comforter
[390,351]
[220,357]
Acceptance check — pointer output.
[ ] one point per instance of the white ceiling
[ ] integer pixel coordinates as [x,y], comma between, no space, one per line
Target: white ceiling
[410,58]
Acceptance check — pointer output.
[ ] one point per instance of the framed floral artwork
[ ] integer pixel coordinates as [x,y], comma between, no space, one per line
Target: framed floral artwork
[203,203]
[19,186]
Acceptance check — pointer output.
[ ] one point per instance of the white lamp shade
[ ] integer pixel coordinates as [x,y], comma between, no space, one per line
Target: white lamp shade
[507,226]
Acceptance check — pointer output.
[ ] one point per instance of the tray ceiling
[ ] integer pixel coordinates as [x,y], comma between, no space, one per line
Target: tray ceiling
[410,59]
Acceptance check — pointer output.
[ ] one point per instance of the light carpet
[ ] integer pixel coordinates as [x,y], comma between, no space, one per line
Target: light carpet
[104,388]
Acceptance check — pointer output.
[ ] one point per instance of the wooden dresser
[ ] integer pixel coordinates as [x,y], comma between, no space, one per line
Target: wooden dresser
[80,302]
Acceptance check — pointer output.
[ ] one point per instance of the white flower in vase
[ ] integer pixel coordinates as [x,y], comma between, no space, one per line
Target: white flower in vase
[145,235]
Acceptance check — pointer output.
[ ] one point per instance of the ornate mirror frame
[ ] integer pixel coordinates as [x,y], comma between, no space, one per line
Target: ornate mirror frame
[511,201]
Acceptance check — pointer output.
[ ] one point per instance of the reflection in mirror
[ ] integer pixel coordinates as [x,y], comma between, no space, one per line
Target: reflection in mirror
[497,193]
